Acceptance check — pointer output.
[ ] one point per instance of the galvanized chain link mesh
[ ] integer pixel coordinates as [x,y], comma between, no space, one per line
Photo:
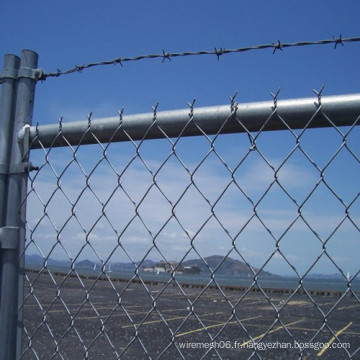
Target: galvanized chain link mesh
[270,200]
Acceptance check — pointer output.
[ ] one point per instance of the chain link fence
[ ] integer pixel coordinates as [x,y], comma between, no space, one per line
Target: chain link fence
[206,233]
[119,231]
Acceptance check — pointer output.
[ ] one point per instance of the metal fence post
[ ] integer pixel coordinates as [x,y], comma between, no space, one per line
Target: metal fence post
[7,113]
[14,229]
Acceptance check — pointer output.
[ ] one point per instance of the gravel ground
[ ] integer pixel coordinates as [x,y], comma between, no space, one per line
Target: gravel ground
[88,319]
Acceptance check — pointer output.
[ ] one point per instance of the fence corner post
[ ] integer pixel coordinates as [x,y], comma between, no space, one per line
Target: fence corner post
[12,254]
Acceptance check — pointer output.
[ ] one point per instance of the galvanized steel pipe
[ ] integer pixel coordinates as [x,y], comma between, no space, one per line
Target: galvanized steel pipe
[343,110]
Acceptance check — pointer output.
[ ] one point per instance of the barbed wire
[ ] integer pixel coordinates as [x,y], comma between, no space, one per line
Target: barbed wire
[217,52]
[42,75]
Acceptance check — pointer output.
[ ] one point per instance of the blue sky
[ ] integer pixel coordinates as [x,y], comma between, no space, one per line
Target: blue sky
[79,32]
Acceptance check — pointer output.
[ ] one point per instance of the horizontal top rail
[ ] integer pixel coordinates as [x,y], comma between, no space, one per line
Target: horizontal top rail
[343,110]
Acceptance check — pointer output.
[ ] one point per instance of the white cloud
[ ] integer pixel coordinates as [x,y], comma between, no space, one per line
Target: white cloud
[179,197]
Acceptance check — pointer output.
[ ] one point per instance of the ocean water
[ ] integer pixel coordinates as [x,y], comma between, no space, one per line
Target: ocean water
[316,284]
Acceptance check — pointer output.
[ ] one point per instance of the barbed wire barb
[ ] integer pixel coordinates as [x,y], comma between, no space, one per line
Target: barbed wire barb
[338,41]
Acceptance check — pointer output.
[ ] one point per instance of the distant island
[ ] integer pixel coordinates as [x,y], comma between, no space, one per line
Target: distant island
[227,267]
[172,266]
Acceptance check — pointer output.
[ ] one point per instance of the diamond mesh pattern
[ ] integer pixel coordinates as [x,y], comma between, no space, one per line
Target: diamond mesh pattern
[284,202]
